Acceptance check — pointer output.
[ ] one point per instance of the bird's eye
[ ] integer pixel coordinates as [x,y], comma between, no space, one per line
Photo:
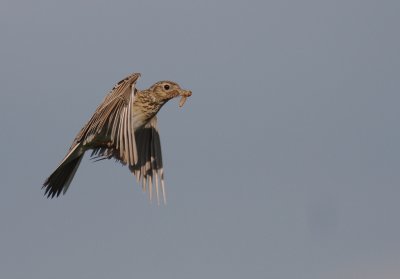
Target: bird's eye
[166,87]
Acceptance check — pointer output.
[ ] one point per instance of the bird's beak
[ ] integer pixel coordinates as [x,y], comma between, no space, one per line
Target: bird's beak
[184,94]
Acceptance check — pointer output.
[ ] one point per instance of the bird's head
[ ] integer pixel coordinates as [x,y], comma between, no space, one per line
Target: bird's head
[166,90]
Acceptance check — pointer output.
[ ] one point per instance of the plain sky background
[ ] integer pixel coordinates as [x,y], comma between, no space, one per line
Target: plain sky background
[283,164]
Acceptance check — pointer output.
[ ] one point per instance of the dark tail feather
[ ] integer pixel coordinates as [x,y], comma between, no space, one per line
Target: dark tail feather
[61,178]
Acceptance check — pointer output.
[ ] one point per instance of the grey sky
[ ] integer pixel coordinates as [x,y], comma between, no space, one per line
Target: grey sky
[283,164]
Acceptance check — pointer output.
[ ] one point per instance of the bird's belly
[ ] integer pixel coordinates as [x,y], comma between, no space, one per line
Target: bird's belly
[138,121]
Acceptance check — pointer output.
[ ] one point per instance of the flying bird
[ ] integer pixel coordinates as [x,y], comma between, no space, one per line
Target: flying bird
[123,127]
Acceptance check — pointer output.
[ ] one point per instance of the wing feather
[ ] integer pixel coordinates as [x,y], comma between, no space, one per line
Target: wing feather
[111,124]
[149,168]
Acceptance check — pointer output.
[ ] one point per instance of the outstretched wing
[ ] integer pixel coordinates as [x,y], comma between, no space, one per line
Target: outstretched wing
[110,128]
[149,168]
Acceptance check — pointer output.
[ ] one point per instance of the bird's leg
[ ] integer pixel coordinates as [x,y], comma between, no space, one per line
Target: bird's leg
[104,144]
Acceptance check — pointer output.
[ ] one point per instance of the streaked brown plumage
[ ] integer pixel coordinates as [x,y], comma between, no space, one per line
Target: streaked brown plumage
[123,127]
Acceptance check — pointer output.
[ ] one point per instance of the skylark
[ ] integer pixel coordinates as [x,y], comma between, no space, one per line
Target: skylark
[123,127]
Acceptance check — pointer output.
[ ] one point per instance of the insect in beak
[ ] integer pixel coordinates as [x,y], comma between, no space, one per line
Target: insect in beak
[184,95]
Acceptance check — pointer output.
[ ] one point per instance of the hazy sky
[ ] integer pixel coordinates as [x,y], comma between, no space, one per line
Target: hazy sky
[283,164]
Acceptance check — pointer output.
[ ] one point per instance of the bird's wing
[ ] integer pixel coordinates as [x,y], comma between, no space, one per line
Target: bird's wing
[149,167]
[111,123]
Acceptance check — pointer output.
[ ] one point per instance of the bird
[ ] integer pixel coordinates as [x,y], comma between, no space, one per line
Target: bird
[123,127]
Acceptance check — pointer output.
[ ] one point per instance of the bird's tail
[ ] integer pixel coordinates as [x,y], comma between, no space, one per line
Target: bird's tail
[61,178]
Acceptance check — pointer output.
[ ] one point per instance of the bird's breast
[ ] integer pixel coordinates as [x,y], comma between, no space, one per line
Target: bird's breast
[143,112]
